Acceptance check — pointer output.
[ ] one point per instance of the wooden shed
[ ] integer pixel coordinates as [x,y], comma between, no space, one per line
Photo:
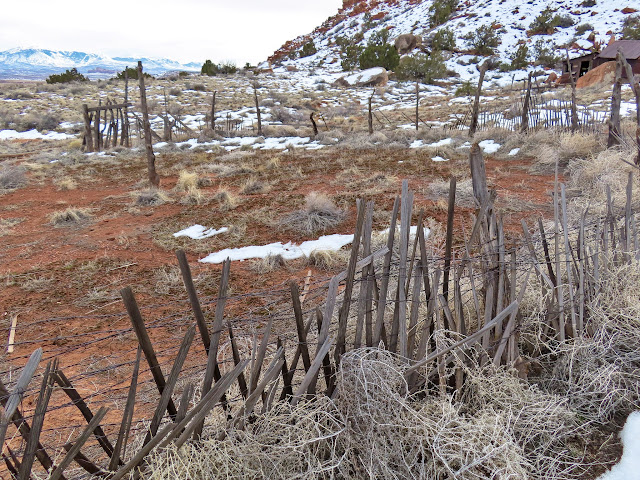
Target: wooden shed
[630,49]
[579,65]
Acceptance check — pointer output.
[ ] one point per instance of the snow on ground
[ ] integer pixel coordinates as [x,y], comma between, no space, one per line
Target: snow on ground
[489,146]
[514,152]
[33,135]
[364,76]
[438,158]
[289,251]
[257,143]
[629,466]
[198,232]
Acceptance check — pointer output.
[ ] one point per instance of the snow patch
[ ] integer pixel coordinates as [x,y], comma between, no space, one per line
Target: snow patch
[629,466]
[289,251]
[489,146]
[33,135]
[198,232]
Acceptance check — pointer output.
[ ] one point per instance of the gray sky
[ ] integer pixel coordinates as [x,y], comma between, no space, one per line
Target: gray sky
[189,30]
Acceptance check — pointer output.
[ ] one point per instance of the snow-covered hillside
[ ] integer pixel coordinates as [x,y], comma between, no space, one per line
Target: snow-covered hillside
[594,21]
[31,63]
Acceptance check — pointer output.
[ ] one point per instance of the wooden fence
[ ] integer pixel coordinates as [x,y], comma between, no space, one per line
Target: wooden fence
[397,297]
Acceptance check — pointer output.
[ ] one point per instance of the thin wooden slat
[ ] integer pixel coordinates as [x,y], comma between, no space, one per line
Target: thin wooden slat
[127,416]
[171,383]
[363,299]
[296,357]
[262,352]
[86,464]
[185,399]
[145,343]
[449,238]
[413,315]
[61,379]
[302,337]
[25,431]
[287,389]
[501,316]
[77,445]
[313,371]
[185,428]
[12,335]
[565,228]
[401,306]
[348,290]
[13,400]
[384,287]
[510,324]
[193,299]
[42,403]
[242,383]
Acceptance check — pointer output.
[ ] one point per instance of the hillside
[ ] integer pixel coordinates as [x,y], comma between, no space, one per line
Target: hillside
[36,64]
[584,26]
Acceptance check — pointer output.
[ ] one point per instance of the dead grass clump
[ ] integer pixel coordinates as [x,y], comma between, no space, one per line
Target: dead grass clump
[226,200]
[70,216]
[168,280]
[269,264]
[549,148]
[193,196]
[590,177]
[151,198]
[65,183]
[254,186]
[600,373]
[186,180]
[318,215]
[12,177]
[328,259]
[439,189]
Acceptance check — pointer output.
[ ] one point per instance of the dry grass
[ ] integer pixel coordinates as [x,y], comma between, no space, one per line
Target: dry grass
[225,199]
[318,215]
[269,264]
[193,196]
[372,428]
[187,180]
[65,183]
[151,197]
[12,177]
[70,216]
[254,186]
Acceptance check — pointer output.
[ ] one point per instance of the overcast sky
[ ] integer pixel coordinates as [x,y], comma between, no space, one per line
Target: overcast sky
[189,30]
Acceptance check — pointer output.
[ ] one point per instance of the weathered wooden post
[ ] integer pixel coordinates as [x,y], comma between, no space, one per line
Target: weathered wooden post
[525,107]
[417,103]
[97,128]
[125,111]
[313,123]
[154,179]
[88,134]
[574,110]
[616,99]
[255,98]
[476,104]
[478,174]
[371,113]
[213,111]
[635,86]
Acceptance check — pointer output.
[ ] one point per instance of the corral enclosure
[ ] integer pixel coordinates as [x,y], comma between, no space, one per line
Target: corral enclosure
[488,325]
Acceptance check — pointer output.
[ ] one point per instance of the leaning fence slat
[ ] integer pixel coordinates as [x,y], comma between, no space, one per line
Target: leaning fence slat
[313,371]
[61,379]
[145,343]
[16,395]
[193,298]
[38,420]
[171,383]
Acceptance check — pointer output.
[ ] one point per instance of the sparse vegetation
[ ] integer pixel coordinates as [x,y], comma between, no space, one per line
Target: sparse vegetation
[151,198]
[71,75]
[484,40]
[444,40]
[70,216]
[631,28]
[308,49]
[441,10]
[379,53]
[12,177]
[132,74]
[318,215]
[422,67]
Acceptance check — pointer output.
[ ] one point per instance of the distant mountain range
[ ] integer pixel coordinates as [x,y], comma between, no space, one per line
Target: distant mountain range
[37,64]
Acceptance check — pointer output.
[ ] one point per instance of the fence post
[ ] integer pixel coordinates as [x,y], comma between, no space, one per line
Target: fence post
[476,105]
[88,134]
[154,179]
[525,108]
[614,120]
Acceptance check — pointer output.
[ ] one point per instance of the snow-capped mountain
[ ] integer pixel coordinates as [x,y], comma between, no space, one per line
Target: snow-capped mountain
[32,63]
[587,25]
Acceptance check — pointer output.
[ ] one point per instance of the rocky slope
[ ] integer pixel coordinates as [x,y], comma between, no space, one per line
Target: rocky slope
[586,26]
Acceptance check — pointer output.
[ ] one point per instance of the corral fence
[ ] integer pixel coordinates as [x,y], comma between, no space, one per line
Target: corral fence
[436,310]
